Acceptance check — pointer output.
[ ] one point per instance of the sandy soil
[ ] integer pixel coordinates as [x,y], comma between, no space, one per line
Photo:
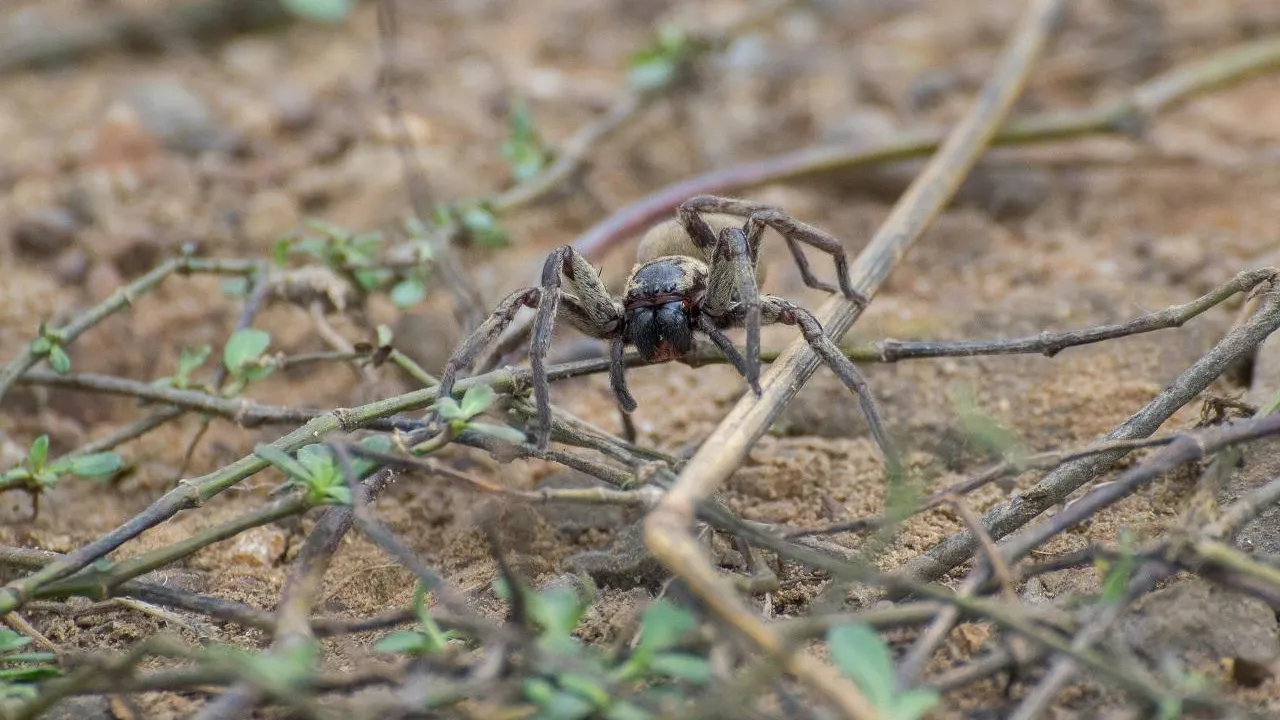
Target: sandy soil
[232,146]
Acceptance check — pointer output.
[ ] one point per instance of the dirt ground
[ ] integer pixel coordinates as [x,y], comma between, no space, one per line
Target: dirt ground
[112,164]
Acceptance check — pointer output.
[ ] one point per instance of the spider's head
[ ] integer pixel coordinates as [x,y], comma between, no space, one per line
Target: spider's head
[661,304]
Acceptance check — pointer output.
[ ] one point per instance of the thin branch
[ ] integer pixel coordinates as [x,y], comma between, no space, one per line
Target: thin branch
[1057,485]
[1126,116]
[667,526]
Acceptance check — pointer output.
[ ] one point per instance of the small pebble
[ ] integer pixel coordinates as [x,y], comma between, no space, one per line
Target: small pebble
[71,267]
[177,116]
[259,547]
[45,233]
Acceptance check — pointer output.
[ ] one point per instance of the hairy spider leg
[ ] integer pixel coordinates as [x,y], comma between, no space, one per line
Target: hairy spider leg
[589,309]
[488,331]
[794,232]
[777,310]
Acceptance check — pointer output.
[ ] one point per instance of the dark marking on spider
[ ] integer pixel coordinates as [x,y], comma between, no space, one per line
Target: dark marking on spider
[699,272]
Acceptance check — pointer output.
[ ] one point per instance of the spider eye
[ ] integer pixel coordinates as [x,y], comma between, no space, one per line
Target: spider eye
[673,324]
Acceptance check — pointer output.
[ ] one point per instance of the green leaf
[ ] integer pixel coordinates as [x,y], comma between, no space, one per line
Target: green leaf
[585,685]
[317,459]
[914,703]
[662,627]
[408,292]
[11,640]
[502,432]
[406,642]
[558,611]
[245,347]
[235,287]
[564,705]
[448,409]
[58,360]
[191,359]
[95,464]
[41,346]
[325,11]
[475,400]
[690,668]
[659,64]
[862,656]
[524,150]
[335,495]
[483,227]
[385,336]
[38,452]
[281,460]
[280,252]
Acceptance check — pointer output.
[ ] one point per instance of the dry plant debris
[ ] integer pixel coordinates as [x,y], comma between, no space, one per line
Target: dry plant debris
[245,474]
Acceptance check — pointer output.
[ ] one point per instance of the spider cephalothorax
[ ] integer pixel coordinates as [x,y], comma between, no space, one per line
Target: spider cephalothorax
[697,273]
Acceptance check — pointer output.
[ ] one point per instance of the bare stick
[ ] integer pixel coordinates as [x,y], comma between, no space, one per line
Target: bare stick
[667,527]
[1057,485]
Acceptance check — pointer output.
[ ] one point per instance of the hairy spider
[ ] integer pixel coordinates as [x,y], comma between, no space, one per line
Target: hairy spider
[698,272]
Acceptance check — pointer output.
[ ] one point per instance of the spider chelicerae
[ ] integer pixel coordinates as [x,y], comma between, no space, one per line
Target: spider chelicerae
[698,272]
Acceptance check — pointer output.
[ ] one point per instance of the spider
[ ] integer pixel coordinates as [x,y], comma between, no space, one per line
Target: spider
[698,272]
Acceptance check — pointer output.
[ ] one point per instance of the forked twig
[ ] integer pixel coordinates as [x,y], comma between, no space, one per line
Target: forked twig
[667,528]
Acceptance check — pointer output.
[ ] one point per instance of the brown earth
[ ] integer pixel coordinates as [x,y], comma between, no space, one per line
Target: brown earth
[112,164]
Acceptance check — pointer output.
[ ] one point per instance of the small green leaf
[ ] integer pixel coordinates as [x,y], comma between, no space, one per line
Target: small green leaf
[914,703]
[245,347]
[191,359]
[862,656]
[659,64]
[385,336]
[524,150]
[58,360]
[405,642]
[585,685]
[280,252]
[281,460]
[502,432]
[483,227]
[408,292]
[662,627]
[95,464]
[38,453]
[235,287]
[335,495]
[41,346]
[317,459]
[324,11]
[11,640]
[690,668]
[564,705]
[475,400]
[448,409]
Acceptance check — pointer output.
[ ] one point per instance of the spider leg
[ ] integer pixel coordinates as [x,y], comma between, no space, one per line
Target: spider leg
[591,310]
[732,295]
[794,232]
[484,335]
[726,346]
[776,309]
[617,375]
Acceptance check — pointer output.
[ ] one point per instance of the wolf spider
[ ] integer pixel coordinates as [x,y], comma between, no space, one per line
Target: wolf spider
[697,272]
